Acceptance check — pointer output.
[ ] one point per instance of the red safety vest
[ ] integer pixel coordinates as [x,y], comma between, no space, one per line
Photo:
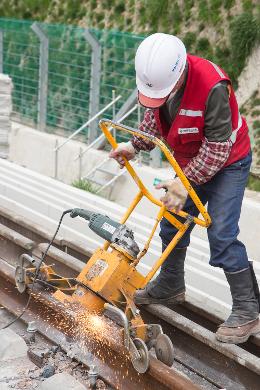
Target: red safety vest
[186,133]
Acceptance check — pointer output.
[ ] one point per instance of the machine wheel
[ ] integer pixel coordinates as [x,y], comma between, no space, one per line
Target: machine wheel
[164,349]
[142,363]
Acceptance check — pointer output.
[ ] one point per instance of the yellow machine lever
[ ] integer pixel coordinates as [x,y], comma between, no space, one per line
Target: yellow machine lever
[106,126]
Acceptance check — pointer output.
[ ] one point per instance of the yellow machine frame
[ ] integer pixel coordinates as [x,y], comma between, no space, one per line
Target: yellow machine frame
[205,221]
[110,273]
[110,278]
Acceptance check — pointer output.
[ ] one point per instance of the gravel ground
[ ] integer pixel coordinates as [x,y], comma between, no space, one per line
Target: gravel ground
[23,374]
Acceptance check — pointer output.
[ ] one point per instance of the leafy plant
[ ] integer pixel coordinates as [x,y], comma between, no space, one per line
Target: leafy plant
[215,15]
[256,124]
[247,5]
[176,16]
[189,40]
[244,36]
[84,185]
[203,10]
[188,4]
[204,48]
[243,110]
[256,113]
[228,4]
[155,11]
[253,183]
[255,102]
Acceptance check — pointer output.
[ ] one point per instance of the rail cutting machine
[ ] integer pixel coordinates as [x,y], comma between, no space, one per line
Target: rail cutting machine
[108,281]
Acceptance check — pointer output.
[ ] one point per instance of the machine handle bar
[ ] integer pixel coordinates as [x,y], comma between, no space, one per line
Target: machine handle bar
[104,124]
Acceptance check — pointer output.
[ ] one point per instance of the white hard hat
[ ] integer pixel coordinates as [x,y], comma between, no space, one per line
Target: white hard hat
[159,63]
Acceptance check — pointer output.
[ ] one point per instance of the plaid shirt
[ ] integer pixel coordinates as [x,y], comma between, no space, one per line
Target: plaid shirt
[209,160]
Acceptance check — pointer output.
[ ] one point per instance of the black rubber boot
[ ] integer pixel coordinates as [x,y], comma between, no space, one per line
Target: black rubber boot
[255,284]
[243,320]
[169,286]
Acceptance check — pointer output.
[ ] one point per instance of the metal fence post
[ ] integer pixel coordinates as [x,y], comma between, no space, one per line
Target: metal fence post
[1,52]
[80,163]
[43,75]
[94,83]
[114,112]
[56,159]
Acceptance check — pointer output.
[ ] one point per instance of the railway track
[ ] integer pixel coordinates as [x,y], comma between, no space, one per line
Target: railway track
[44,359]
[204,362]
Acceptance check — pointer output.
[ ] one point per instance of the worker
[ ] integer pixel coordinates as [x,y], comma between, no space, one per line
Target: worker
[190,103]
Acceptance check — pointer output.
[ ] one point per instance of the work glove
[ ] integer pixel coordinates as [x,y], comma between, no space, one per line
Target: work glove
[176,194]
[124,149]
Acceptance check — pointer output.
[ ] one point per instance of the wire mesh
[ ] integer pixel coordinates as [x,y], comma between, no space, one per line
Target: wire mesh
[69,72]
[118,52]
[21,62]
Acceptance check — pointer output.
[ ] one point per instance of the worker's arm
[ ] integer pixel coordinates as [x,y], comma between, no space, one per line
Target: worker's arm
[131,148]
[210,159]
[213,153]
[148,126]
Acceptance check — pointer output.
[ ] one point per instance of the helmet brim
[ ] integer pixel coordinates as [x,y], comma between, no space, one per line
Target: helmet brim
[151,102]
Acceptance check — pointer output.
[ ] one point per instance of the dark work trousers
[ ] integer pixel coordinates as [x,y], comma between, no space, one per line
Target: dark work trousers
[224,194]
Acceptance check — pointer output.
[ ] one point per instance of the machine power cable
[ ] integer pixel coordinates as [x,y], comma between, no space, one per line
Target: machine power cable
[38,270]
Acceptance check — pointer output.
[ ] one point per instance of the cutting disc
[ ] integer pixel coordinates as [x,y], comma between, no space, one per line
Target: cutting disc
[164,349]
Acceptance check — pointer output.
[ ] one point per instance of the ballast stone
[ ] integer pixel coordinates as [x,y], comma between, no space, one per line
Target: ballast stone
[12,346]
[60,382]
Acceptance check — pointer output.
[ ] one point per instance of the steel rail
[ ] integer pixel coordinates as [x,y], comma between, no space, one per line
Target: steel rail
[196,347]
[119,371]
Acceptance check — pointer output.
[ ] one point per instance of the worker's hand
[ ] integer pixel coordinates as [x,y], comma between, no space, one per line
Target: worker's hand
[124,149]
[176,194]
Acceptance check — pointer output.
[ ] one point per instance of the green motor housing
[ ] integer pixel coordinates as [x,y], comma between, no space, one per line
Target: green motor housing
[101,224]
[110,230]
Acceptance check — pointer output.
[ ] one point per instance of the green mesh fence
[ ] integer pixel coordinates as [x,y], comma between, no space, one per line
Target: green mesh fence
[69,72]
[21,62]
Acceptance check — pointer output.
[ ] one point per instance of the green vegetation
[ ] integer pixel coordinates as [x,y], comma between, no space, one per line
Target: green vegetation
[244,36]
[248,5]
[85,185]
[188,5]
[26,9]
[256,113]
[253,183]
[215,11]
[190,40]
[203,10]
[228,4]
[175,15]
[204,48]
[232,39]
[256,125]
[256,102]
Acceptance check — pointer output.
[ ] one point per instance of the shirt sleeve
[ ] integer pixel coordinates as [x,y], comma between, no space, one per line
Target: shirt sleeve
[209,160]
[148,125]
[218,122]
